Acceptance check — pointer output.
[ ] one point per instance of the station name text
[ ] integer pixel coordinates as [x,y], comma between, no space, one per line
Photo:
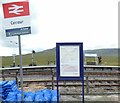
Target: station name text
[16,22]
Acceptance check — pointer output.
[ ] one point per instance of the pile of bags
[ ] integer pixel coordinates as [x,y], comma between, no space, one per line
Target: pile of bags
[2,91]
[10,93]
[6,87]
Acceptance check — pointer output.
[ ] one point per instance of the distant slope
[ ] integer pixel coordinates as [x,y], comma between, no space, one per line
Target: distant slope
[99,52]
[40,58]
[104,52]
[110,57]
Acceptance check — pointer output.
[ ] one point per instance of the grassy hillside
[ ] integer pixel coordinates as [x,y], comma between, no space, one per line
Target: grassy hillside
[40,58]
[109,57]
[104,52]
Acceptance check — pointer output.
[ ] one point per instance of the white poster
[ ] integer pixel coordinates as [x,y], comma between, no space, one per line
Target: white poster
[69,61]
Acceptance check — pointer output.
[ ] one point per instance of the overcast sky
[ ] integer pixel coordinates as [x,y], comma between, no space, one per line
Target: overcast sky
[93,22]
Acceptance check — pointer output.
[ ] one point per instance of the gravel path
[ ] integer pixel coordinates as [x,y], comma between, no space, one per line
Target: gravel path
[114,97]
[90,98]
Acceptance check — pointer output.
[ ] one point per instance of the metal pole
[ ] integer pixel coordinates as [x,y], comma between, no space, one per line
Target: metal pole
[14,60]
[87,85]
[14,63]
[21,70]
[57,90]
[32,59]
[82,73]
[52,72]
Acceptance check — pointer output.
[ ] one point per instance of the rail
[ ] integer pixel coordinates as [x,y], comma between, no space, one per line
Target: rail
[96,72]
[54,66]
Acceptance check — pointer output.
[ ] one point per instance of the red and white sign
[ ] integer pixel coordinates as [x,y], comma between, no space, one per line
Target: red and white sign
[16,18]
[16,9]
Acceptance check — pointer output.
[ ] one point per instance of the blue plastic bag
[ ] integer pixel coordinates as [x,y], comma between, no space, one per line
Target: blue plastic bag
[39,98]
[14,88]
[29,97]
[54,96]
[1,90]
[9,85]
[19,98]
[6,91]
[2,83]
[47,95]
[12,97]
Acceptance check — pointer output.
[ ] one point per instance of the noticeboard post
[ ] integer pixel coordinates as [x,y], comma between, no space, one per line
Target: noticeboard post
[69,58]
[16,23]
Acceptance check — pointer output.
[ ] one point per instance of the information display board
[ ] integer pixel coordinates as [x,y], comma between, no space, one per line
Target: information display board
[69,61]
[69,66]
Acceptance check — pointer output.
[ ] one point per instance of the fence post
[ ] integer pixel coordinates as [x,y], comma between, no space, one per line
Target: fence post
[52,71]
[3,77]
[16,78]
[87,85]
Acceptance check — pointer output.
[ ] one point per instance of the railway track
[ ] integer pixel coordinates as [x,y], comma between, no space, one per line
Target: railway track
[91,81]
[100,87]
[103,83]
[95,77]
[105,73]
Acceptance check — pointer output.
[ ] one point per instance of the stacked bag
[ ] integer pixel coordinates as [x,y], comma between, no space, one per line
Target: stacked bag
[3,95]
[46,95]
[41,96]
[9,92]
[6,87]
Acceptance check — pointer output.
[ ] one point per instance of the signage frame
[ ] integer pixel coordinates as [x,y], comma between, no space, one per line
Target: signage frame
[81,68]
[80,45]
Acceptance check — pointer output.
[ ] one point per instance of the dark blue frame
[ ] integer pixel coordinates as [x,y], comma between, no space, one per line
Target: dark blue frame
[81,77]
[58,60]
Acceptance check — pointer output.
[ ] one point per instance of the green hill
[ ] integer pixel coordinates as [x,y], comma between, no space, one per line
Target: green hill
[109,57]
[40,58]
[104,52]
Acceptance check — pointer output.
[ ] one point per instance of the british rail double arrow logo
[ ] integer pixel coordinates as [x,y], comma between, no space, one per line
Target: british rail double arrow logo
[16,9]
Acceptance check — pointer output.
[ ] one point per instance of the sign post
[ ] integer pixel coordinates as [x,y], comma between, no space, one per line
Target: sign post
[69,58]
[16,23]
[21,70]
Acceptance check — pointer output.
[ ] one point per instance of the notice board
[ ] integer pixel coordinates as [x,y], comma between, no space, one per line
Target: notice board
[69,58]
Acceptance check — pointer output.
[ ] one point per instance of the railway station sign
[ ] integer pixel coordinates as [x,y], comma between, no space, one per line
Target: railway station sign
[69,60]
[17,23]
[16,18]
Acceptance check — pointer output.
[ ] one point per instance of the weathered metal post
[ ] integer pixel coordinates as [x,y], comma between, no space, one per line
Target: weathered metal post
[87,85]
[21,69]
